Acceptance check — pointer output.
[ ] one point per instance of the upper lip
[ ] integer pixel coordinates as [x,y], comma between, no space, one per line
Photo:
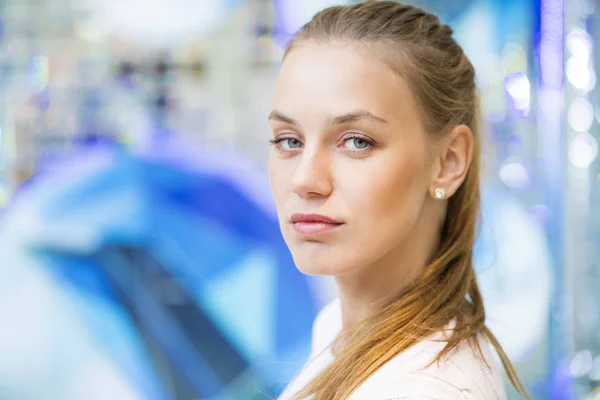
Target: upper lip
[313,218]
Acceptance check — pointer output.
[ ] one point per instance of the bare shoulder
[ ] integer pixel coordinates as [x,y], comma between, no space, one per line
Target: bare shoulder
[461,375]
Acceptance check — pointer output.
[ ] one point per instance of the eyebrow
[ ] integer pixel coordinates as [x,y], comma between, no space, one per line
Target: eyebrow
[277,116]
[353,117]
[331,120]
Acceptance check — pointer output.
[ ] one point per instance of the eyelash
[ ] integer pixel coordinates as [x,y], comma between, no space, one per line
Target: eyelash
[369,142]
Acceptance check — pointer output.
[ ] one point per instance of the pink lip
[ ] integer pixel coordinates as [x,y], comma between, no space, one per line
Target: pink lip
[310,224]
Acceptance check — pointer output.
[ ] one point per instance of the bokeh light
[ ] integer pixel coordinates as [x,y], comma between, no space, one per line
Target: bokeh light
[581,115]
[583,150]
[579,43]
[514,174]
[581,364]
[579,74]
[518,87]
[579,71]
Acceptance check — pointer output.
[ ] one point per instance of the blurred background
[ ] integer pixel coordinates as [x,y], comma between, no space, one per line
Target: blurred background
[140,256]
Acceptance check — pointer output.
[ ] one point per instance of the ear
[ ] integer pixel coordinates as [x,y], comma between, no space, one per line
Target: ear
[454,158]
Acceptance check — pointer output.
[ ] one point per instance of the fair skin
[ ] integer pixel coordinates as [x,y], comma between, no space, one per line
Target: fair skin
[351,146]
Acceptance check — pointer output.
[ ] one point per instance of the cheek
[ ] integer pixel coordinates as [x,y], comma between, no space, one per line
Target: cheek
[385,207]
[400,187]
[280,175]
[391,189]
[277,178]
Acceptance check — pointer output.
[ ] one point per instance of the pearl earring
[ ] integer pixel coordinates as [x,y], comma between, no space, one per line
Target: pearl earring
[440,193]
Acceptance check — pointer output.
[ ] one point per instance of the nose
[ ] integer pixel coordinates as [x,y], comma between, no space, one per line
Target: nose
[312,176]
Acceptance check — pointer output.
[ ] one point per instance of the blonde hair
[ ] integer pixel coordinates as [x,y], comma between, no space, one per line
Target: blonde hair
[422,51]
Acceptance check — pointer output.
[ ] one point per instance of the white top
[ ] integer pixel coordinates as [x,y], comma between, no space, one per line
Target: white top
[459,376]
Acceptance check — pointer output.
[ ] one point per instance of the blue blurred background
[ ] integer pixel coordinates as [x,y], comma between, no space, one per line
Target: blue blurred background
[140,256]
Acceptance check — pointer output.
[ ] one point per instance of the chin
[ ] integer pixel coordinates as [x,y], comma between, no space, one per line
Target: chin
[316,269]
[312,259]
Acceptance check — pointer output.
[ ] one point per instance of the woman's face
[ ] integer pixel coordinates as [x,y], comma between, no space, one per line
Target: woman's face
[350,147]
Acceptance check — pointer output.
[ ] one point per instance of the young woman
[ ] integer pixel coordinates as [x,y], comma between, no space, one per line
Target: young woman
[375,173]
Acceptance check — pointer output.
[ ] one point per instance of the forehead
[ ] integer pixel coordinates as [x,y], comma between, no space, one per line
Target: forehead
[337,78]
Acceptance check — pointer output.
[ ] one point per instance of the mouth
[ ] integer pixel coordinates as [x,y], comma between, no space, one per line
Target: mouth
[313,224]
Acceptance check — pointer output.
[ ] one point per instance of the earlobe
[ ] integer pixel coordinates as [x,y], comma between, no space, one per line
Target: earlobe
[439,193]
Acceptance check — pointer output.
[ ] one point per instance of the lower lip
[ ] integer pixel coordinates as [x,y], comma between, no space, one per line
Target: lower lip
[311,228]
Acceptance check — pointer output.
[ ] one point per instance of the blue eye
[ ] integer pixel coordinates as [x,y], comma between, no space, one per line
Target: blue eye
[287,143]
[292,143]
[358,143]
